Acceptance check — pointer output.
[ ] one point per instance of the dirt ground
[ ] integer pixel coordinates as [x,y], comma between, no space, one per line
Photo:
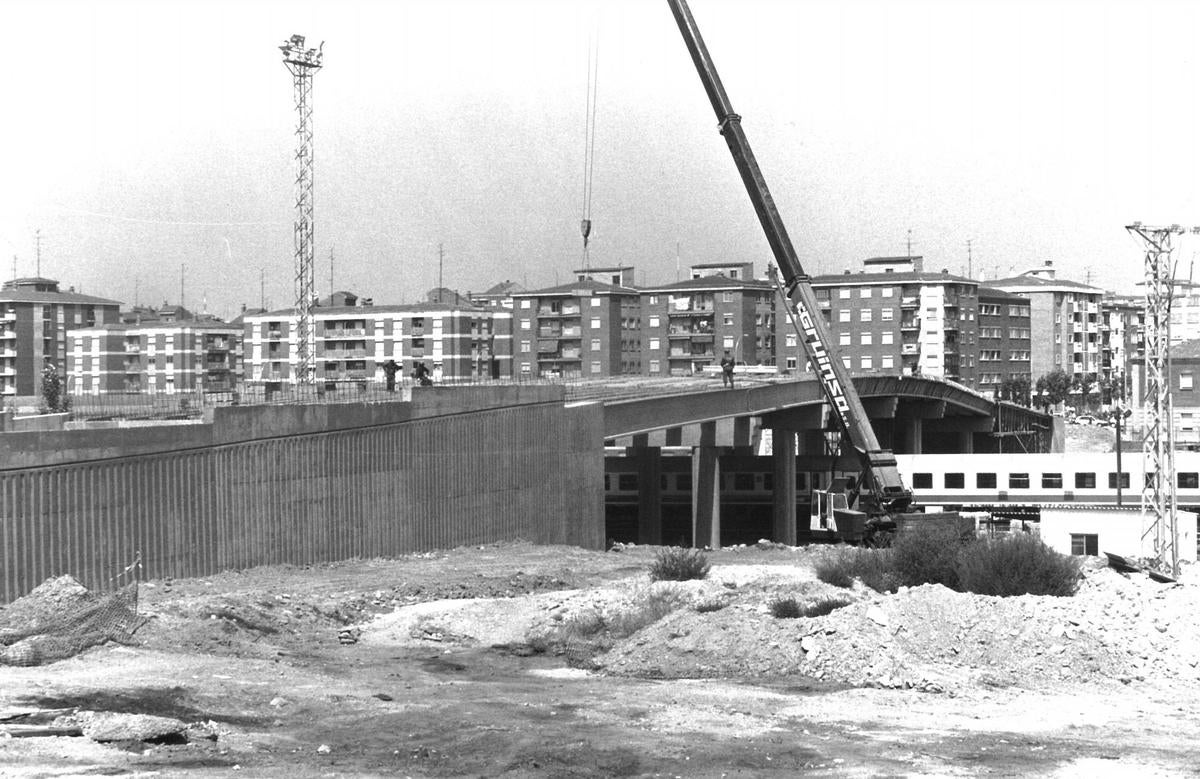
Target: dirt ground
[460,664]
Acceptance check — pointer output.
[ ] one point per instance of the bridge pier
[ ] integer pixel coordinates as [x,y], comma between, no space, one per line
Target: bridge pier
[783,514]
[706,489]
[648,461]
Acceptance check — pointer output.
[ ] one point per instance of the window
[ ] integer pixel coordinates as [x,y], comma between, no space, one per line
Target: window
[791,363]
[1085,544]
[864,315]
[865,363]
[844,315]
[727,320]
[627,482]
[525,303]
[954,481]
[886,337]
[654,366]
[887,361]
[524,324]
[1185,381]
[846,362]
[654,300]
[595,366]
[418,343]
[525,346]
[743,482]
[886,314]
[885,292]
[865,339]
[1085,481]
[1018,481]
[789,340]
[1188,480]
[727,342]
[844,294]
[1112,480]
[654,343]
[595,324]
[1051,481]
[922,481]
[843,339]
[654,321]
[595,302]
[986,481]
[864,293]
[726,297]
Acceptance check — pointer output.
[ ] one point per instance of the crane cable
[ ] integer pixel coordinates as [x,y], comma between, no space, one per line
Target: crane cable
[589,142]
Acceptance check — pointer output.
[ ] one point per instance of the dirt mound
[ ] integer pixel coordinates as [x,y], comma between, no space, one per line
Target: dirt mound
[61,618]
[1117,628]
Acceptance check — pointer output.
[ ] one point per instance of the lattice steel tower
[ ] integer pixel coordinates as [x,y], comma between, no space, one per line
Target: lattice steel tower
[1158,448]
[303,64]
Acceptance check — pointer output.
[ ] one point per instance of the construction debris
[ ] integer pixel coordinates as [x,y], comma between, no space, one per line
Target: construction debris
[62,618]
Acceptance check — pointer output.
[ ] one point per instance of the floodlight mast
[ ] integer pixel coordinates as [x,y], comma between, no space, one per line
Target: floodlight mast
[303,63]
[882,483]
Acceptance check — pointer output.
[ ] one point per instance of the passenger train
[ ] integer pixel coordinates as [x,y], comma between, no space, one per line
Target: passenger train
[1006,486]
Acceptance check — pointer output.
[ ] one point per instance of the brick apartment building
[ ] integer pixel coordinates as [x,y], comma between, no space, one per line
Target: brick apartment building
[35,319]
[1065,315]
[155,357]
[689,325]
[582,329]
[354,341]
[1005,337]
[1122,340]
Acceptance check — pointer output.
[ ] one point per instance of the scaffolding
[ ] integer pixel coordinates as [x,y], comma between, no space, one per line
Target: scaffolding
[303,64]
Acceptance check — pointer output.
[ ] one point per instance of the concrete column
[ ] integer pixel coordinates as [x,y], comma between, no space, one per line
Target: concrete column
[783,457]
[915,426]
[741,432]
[674,436]
[706,489]
[649,471]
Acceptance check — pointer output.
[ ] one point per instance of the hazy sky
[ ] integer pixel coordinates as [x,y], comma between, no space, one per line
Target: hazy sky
[142,136]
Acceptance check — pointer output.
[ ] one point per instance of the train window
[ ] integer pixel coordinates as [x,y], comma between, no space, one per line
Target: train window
[1051,480]
[607,483]
[683,482]
[743,482]
[1112,480]
[663,482]
[769,482]
[817,481]
[1085,481]
[1018,481]
[955,481]
[922,481]
[985,480]
[1085,544]
[801,481]
[1188,480]
[627,482]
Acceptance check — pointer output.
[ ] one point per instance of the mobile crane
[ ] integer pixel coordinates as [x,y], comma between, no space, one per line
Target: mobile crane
[880,492]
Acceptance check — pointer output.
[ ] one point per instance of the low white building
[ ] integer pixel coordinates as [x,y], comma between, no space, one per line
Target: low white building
[1094,530]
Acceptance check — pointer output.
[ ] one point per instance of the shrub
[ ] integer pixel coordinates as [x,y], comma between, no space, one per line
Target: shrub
[872,566]
[926,552]
[679,564]
[790,608]
[643,612]
[1016,564]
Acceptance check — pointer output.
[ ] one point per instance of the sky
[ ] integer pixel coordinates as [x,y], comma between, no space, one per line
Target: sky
[153,143]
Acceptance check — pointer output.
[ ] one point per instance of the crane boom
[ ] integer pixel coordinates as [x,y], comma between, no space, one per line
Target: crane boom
[884,486]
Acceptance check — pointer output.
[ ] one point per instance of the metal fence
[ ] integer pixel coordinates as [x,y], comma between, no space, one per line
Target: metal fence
[532,472]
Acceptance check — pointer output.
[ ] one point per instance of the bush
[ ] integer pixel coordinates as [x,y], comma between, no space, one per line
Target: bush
[926,552]
[790,608]
[678,564]
[1016,564]
[645,611]
[872,566]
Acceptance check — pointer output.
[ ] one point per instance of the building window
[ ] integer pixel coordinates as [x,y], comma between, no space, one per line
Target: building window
[524,346]
[886,314]
[865,339]
[595,302]
[864,315]
[595,324]
[955,481]
[1085,481]
[727,320]
[885,292]
[1018,481]
[865,362]
[524,324]
[1052,481]
[1185,381]
[654,344]
[654,321]
[791,363]
[525,303]
[726,297]
[844,294]
[595,366]
[846,363]
[843,339]
[654,366]
[1085,544]
[789,340]
[844,315]
[922,481]
[654,300]
[985,481]
[727,342]
[887,362]
[865,293]
[886,337]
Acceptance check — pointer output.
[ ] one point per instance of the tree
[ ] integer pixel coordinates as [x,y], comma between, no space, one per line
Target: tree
[55,398]
[1053,388]
[1015,389]
[1083,383]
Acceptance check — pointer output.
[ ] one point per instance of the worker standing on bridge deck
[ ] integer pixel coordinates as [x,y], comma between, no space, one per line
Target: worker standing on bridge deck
[727,370]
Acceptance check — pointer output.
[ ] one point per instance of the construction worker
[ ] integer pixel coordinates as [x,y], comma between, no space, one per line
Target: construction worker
[727,370]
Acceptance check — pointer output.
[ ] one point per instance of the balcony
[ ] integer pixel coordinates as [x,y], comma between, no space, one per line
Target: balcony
[549,332]
[275,334]
[572,332]
[7,334]
[8,316]
[133,347]
[910,349]
[700,311]
[910,324]
[343,354]
[910,302]
[345,332]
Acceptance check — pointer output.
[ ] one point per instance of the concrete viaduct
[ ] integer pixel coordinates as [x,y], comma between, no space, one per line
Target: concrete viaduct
[910,416]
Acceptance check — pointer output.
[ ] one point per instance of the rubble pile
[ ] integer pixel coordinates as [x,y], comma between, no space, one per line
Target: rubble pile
[1118,627]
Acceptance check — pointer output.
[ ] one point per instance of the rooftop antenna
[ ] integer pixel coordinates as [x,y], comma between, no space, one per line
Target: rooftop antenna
[182,270]
[14,266]
[908,243]
[262,288]
[441,258]
[37,240]
[331,275]
[303,64]
[677,260]
[970,265]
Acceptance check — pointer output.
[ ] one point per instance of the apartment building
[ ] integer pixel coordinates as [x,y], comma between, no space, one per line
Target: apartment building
[689,325]
[1065,315]
[1122,340]
[155,357]
[896,318]
[1183,383]
[582,329]
[35,319]
[1005,340]
[353,342]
